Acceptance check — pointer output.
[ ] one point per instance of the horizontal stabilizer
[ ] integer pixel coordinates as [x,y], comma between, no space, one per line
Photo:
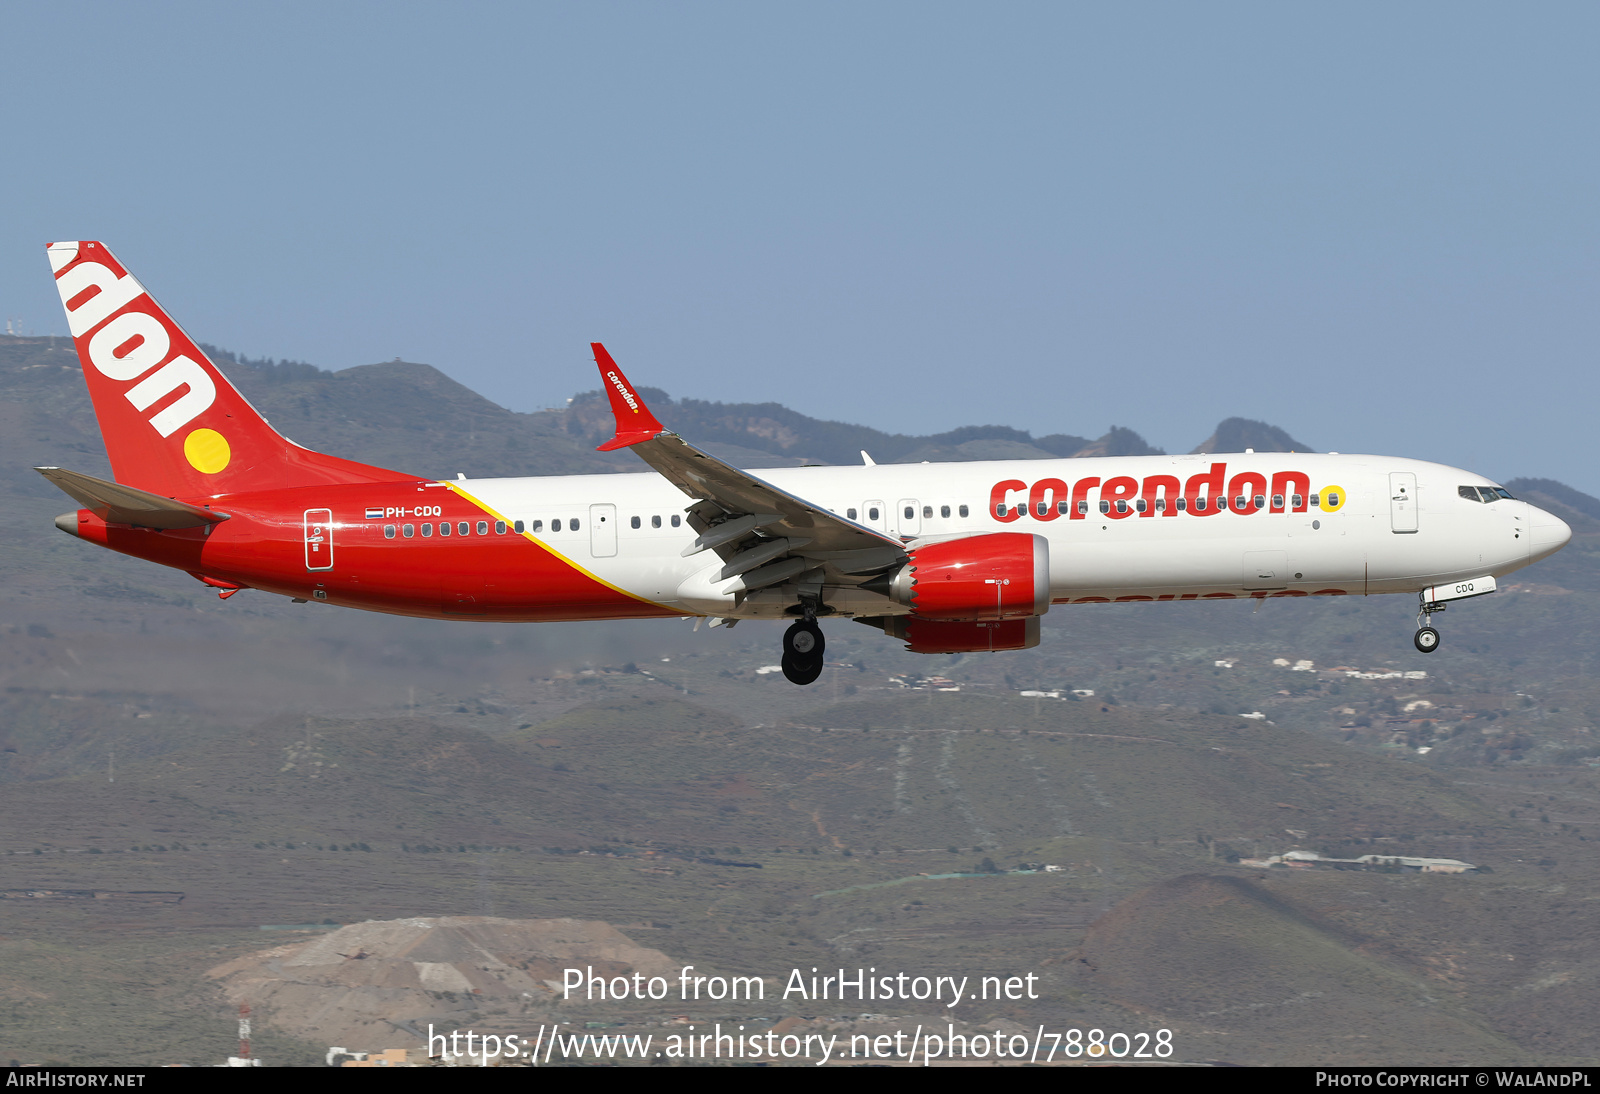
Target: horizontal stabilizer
[117,504]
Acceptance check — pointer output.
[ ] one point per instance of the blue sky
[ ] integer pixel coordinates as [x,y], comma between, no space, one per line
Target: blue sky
[1374,225]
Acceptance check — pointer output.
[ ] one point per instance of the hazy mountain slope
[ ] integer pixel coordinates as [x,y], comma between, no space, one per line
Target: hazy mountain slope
[1238,434]
[1573,506]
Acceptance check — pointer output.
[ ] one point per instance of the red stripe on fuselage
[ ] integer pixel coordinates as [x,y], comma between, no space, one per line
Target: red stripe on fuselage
[497,576]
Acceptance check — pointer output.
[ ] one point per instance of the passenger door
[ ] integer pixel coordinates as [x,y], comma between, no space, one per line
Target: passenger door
[1402,502]
[319,539]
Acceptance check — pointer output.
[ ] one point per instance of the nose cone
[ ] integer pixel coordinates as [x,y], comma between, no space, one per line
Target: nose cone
[1547,534]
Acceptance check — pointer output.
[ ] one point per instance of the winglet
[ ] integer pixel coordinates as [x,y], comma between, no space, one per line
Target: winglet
[635,423]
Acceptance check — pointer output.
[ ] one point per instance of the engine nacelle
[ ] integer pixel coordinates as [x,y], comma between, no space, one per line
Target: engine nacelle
[947,636]
[997,576]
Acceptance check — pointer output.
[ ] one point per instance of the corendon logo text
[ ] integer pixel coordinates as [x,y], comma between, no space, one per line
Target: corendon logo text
[622,389]
[1202,495]
[131,344]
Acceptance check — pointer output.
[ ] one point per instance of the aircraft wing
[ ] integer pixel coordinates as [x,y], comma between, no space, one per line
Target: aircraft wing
[118,504]
[738,515]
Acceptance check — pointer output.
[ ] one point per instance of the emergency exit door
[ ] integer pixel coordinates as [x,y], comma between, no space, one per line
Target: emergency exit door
[603,530]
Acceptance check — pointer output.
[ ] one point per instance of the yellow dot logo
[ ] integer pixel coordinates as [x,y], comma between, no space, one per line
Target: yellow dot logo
[207,451]
[1332,498]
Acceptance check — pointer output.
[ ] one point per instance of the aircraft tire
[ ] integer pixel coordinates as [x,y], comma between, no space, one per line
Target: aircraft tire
[803,641]
[801,670]
[1426,640]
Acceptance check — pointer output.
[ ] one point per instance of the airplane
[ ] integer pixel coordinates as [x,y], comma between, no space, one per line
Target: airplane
[948,558]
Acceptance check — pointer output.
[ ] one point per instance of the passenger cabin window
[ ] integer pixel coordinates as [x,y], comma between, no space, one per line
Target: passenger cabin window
[1316,501]
[1063,507]
[1044,508]
[555,525]
[444,528]
[944,510]
[1277,501]
[1161,505]
[911,513]
[538,526]
[1261,501]
[499,527]
[388,531]
[464,528]
[1000,510]
[483,527]
[573,524]
[962,510]
[1083,507]
[1298,500]
[655,522]
[676,520]
[1181,504]
[520,527]
[927,512]
[1141,505]
[633,522]
[408,530]
[850,514]
[872,514]
[427,531]
[1105,506]
[1200,505]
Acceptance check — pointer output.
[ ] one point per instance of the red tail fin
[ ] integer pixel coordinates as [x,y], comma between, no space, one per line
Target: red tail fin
[172,423]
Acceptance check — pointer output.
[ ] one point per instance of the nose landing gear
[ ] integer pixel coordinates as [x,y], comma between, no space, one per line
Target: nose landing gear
[803,648]
[1426,639]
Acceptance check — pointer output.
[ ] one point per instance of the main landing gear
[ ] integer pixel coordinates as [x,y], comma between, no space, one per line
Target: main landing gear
[803,648]
[1426,639]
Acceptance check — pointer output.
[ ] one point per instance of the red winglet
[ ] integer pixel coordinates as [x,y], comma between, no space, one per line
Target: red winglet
[635,423]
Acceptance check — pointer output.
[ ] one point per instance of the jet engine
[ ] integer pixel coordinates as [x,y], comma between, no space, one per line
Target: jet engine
[997,576]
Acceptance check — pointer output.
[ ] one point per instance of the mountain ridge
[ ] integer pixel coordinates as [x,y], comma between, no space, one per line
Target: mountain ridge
[413,418]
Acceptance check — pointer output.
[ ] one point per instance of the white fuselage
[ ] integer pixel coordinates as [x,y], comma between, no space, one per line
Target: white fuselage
[1339,524]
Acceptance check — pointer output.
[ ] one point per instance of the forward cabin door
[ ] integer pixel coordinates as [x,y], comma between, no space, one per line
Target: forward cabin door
[319,539]
[603,530]
[1402,502]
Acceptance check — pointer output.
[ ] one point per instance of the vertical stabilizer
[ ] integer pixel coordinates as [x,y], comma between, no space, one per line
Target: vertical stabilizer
[172,423]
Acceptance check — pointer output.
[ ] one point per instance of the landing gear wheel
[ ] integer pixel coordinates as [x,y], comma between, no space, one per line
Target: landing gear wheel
[801,670]
[803,647]
[804,642]
[1426,640]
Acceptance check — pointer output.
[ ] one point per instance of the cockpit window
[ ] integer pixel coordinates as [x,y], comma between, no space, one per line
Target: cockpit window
[1469,492]
[1504,493]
